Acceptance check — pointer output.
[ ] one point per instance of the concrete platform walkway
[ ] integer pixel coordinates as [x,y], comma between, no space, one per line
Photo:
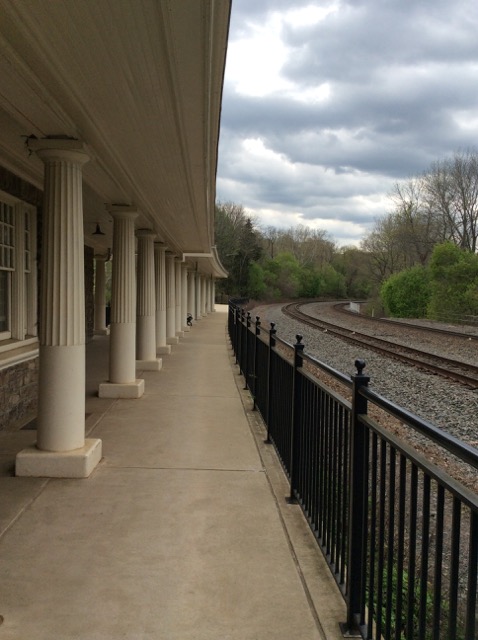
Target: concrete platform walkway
[181,533]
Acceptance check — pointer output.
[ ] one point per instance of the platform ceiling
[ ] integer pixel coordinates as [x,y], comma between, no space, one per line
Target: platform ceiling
[140,83]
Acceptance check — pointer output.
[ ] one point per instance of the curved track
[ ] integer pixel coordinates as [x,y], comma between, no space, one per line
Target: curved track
[463,373]
[341,308]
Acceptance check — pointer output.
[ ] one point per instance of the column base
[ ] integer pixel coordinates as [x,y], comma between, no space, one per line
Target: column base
[179,334]
[102,332]
[126,390]
[149,365]
[164,350]
[78,463]
[172,340]
[186,329]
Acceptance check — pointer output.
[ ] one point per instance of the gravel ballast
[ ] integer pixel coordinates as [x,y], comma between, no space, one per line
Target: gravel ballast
[444,403]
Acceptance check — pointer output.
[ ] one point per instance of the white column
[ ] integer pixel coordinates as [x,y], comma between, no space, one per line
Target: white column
[203,295]
[184,297]
[146,304]
[171,337]
[213,294]
[197,315]
[122,372]
[61,449]
[160,284]
[207,281]
[100,299]
[178,297]
[192,293]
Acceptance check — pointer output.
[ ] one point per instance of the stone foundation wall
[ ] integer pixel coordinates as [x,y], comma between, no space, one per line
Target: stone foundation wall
[18,394]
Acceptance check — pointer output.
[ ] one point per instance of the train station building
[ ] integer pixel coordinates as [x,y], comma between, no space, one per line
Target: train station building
[109,132]
[135,498]
[141,495]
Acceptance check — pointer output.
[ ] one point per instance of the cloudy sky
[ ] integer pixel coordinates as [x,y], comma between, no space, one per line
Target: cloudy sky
[328,104]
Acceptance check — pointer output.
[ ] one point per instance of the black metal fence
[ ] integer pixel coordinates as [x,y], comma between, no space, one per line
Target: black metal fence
[399,534]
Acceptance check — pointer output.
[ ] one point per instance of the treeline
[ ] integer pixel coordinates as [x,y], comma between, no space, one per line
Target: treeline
[270,264]
[419,260]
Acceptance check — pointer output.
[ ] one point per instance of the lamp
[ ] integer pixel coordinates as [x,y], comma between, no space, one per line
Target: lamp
[98,231]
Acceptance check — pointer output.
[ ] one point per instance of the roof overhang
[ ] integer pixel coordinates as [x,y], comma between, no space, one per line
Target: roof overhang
[140,84]
[209,262]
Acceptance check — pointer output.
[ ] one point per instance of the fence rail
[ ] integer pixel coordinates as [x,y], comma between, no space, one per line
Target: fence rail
[399,534]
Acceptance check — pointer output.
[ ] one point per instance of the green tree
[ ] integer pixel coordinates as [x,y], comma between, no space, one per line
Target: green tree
[311,284]
[239,245]
[282,276]
[354,265]
[453,282]
[407,294]
[333,283]
[257,284]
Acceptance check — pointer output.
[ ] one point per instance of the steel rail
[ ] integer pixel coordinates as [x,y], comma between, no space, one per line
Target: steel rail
[340,307]
[461,372]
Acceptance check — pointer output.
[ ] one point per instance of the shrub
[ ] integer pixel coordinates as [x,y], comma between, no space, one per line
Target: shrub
[407,294]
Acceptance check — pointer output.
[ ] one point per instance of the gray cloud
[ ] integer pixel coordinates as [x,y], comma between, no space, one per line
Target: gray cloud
[402,94]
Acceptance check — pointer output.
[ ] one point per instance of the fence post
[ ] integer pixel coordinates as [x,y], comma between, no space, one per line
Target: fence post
[358,491]
[246,356]
[257,333]
[272,344]
[296,411]
[232,328]
[238,336]
[243,336]
[236,333]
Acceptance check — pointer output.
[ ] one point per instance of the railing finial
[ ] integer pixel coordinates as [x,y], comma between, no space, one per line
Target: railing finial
[360,366]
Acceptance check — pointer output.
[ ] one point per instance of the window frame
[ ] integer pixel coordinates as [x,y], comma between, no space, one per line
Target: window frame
[22,279]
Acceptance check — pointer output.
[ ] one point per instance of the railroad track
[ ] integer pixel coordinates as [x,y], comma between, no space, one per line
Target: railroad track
[341,307]
[461,372]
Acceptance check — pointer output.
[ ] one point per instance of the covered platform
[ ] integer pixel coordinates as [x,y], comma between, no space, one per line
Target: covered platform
[182,532]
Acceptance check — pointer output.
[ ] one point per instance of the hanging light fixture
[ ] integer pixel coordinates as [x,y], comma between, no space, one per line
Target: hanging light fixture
[98,231]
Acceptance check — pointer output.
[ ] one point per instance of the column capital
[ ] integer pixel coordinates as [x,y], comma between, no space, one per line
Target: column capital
[160,248]
[122,211]
[145,233]
[54,149]
[101,257]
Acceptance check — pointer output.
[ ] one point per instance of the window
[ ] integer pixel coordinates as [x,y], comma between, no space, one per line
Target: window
[7,233]
[7,261]
[18,306]
[4,304]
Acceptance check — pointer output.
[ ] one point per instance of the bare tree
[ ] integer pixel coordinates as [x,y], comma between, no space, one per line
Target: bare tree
[440,205]
[310,247]
[416,224]
[451,188]
[271,235]
[384,248]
